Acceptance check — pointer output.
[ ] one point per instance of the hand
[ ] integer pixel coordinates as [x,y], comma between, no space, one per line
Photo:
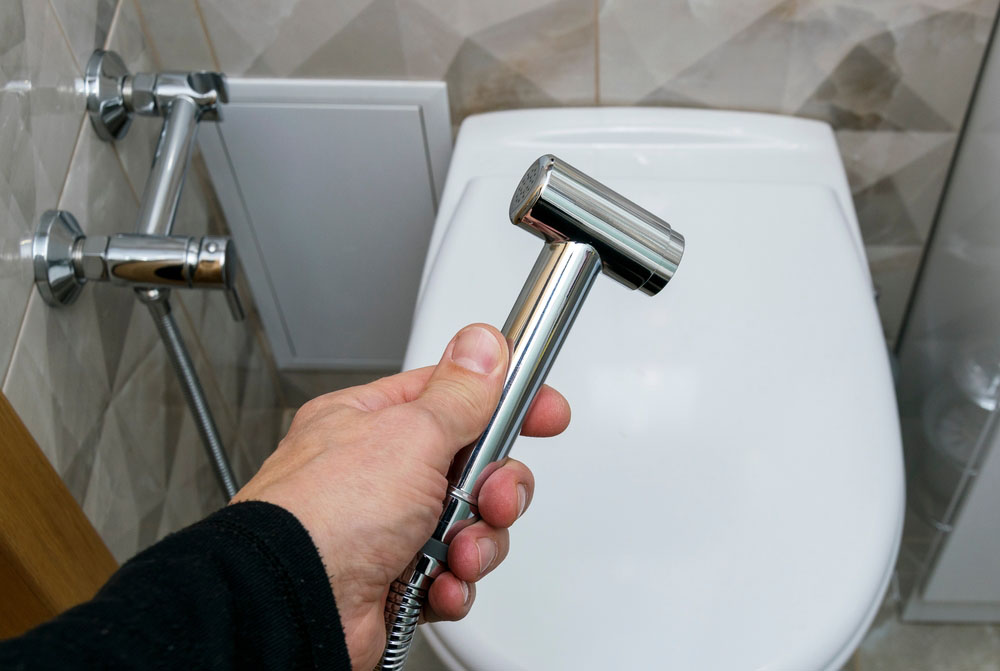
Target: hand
[364,470]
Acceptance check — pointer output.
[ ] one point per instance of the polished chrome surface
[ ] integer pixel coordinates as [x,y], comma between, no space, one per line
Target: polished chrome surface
[106,106]
[157,300]
[587,228]
[538,323]
[65,259]
[152,94]
[52,256]
[403,605]
[150,261]
[535,329]
[170,162]
[555,201]
[114,95]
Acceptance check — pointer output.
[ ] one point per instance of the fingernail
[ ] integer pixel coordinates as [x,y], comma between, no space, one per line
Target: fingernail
[477,350]
[465,591]
[487,553]
[522,499]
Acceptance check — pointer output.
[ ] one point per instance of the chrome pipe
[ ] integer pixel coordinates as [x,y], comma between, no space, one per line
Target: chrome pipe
[157,300]
[149,259]
[170,162]
[587,229]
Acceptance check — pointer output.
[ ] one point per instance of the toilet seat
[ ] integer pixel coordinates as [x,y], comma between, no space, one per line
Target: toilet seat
[729,493]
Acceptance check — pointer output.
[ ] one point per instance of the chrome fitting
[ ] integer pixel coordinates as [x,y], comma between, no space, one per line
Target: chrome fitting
[114,94]
[65,259]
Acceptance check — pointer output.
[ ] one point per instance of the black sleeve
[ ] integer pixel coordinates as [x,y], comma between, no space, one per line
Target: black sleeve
[243,589]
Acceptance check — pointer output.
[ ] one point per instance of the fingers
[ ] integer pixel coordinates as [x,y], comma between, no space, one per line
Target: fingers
[474,552]
[477,550]
[506,494]
[448,598]
[452,385]
[480,547]
[548,415]
[464,388]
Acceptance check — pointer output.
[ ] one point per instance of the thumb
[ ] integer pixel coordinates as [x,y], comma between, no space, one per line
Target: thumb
[464,388]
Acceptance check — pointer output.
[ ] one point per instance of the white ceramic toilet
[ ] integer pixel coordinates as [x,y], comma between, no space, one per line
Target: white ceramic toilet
[729,494]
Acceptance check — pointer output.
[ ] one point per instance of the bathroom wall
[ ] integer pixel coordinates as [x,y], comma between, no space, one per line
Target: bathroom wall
[92,381]
[949,384]
[892,76]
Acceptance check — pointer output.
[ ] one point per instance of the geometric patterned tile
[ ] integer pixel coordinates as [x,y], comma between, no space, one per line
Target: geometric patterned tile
[896,179]
[58,384]
[86,23]
[15,286]
[42,108]
[192,490]
[938,55]
[259,412]
[177,35]
[110,498]
[98,195]
[40,116]
[493,55]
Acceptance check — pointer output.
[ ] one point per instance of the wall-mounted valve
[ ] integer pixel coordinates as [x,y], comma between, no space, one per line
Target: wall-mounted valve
[151,261]
[65,259]
[114,94]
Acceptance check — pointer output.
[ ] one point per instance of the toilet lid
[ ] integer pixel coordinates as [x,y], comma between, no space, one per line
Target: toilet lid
[729,493]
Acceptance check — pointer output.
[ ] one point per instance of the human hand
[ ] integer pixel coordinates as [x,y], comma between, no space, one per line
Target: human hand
[364,470]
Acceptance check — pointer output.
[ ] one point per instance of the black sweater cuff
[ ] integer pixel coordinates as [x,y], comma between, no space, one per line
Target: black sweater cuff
[278,563]
[244,588]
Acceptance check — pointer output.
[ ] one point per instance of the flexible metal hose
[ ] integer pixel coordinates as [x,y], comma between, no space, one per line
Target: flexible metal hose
[402,612]
[159,307]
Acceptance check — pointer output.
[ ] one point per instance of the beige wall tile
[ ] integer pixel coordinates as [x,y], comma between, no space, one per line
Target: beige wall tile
[86,24]
[63,369]
[493,55]
[40,115]
[176,34]
[259,411]
[58,384]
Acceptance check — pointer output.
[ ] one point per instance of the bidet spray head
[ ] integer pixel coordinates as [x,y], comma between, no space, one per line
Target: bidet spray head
[587,228]
[558,203]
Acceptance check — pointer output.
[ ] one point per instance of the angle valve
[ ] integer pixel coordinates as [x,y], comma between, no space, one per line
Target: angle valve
[114,95]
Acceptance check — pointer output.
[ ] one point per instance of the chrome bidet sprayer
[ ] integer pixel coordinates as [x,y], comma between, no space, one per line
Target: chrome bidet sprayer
[587,228]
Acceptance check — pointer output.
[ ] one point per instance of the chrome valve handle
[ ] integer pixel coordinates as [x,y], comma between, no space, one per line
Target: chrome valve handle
[587,228]
[65,259]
